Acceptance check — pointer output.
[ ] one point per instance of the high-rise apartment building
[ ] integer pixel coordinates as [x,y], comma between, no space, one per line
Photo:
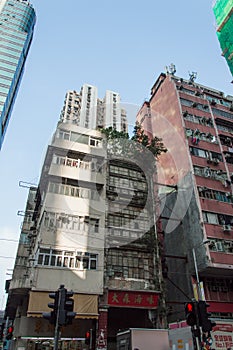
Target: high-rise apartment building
[91,213]
[223,11]
[17,20]
[85,109]
[196,125]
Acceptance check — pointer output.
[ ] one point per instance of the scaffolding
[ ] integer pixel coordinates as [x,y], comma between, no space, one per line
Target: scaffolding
[223,11]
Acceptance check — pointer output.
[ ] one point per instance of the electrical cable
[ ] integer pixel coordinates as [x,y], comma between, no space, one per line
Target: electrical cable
[9,240]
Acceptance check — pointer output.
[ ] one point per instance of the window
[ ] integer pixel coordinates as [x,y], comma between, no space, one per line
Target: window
[67,259]
[129,264]
[63,134]
[220,219]
[217,195]
[211,173]
[64,221]
[75,137]
[73,191]
[199,152]
[222,113]
[94,142]
[211,156]
[210,218]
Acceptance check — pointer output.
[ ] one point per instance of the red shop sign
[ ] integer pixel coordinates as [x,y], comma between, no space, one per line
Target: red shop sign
[135,299]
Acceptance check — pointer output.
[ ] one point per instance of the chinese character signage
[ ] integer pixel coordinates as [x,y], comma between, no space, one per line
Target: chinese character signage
[135,299]
[222,336]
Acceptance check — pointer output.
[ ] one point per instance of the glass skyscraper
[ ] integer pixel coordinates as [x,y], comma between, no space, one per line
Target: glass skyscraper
[17,20]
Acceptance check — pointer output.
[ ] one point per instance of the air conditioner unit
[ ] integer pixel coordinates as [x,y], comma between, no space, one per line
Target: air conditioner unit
[215,161]
[226,227]
[213,102]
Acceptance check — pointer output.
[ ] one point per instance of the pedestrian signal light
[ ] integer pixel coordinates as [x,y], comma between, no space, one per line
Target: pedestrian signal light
[9,334]
[190,313]
[87,338]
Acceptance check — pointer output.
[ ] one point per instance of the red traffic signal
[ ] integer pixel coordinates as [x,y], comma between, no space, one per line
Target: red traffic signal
[87,337]
[190,313]
[9,334]
[189,307]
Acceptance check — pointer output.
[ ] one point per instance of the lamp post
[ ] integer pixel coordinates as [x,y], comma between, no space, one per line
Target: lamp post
[196,332]
[199,292]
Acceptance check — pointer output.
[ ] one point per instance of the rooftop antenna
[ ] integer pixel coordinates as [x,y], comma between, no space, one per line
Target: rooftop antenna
[192,76]
[171,69]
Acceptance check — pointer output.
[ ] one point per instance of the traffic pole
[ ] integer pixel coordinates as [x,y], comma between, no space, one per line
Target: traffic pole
[5,329]
[57,327]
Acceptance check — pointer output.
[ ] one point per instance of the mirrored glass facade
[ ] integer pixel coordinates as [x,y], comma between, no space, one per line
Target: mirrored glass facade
[17,20]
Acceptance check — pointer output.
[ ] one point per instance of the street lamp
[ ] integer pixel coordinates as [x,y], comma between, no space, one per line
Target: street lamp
[199,294]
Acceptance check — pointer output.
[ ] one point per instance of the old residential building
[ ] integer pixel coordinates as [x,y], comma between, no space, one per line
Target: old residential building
[195,123]
[92,210]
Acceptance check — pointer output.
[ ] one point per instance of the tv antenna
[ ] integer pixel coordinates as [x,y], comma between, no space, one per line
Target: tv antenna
[192,76]
[171,69]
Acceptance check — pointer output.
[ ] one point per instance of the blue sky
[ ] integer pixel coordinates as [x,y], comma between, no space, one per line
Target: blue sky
[121,46]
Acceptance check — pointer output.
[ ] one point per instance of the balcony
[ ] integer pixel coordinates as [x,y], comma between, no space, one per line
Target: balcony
[77,172]
[215,206]
[224,231]
[205,162]
[222,258]
[68,203]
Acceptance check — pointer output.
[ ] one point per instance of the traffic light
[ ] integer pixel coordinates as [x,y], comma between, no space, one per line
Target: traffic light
[190,313]
[204,321]
[9,333]
[87,338]
[2,331]
[69,307]
[52,315]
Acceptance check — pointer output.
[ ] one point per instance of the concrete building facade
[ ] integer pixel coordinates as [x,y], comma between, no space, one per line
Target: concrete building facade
[195,123]
[91,212]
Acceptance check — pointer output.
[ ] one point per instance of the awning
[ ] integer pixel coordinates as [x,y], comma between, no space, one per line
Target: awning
[85,305]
